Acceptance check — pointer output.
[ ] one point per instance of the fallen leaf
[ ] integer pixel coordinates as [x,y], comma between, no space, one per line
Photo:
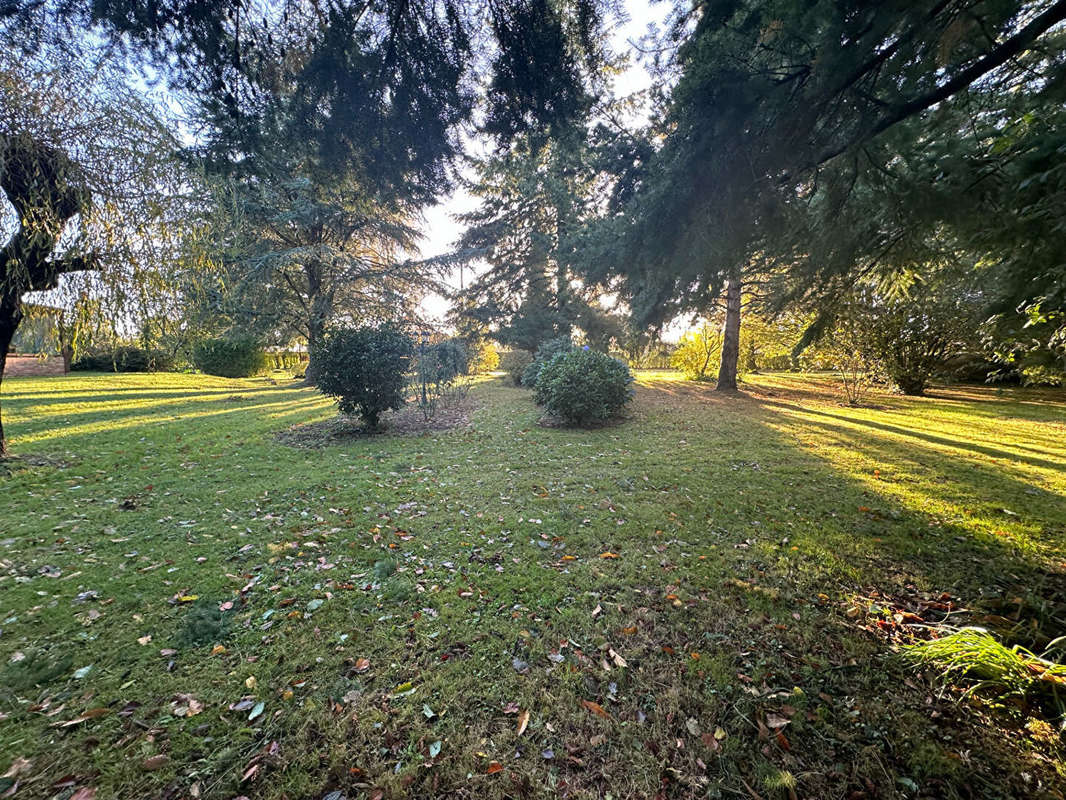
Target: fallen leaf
[776,721]
[185,705]
[523,721]
[153,763]
[362,664]
[595,708]
[494,767]
[710,742]
[18,767]
[608,554]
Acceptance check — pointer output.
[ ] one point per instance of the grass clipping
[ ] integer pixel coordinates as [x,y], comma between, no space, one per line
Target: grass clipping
[974,654]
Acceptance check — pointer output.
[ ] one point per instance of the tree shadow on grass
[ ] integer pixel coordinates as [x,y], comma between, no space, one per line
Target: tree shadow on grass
[859,537]
[75,428]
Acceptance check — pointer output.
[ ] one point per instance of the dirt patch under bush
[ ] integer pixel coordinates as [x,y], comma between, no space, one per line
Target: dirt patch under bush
[405,422]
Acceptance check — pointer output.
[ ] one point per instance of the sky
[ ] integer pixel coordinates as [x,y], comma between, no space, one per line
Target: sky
[440,229]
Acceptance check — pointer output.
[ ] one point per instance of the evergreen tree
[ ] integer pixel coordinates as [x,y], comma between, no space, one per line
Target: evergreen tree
[774,112]
[536,199]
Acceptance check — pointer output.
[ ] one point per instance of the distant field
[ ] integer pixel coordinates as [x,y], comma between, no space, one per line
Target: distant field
[704,600]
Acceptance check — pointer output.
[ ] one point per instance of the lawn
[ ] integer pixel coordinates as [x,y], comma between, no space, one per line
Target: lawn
[705,600]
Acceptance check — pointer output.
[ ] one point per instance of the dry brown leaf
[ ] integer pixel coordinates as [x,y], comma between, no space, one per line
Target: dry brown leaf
[523,721]
[776,721]
[596,709]
[153,763]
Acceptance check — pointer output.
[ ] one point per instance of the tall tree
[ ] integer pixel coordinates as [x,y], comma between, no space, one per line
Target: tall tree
[378,84]
[295,255]
[774,97]
[535,199]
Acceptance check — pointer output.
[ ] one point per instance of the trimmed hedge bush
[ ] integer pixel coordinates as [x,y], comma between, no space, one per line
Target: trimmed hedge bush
[124,359]
[583,386]
[514,363]
[236,357]
[365,369]
[545,353]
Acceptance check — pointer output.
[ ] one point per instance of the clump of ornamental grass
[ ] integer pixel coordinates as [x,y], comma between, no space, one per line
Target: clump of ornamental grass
[973,654]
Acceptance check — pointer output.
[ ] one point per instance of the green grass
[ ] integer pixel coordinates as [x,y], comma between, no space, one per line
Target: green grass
[396,603]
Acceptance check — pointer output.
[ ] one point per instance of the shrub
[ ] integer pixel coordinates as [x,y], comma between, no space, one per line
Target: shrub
[483,357]
[447,360]
[124,359]
[582,386]
[545,353]
[233,357]
[514,363]
[440,376]
[698,353]
[845,348]
[365,369]
[911,337]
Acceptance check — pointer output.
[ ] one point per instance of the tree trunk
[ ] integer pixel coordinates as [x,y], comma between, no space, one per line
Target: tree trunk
[46,190]
[727,372]
[10,317]
[315,330]
[319,311]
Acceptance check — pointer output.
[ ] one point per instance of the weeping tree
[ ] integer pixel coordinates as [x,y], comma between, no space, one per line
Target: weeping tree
[84,165]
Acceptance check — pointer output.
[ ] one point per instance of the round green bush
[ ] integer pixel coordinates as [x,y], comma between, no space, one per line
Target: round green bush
[583,386]
[365,369]
[545,353]
[234,357]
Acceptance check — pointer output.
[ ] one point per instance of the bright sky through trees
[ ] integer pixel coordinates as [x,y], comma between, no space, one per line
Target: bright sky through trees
[440,228]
